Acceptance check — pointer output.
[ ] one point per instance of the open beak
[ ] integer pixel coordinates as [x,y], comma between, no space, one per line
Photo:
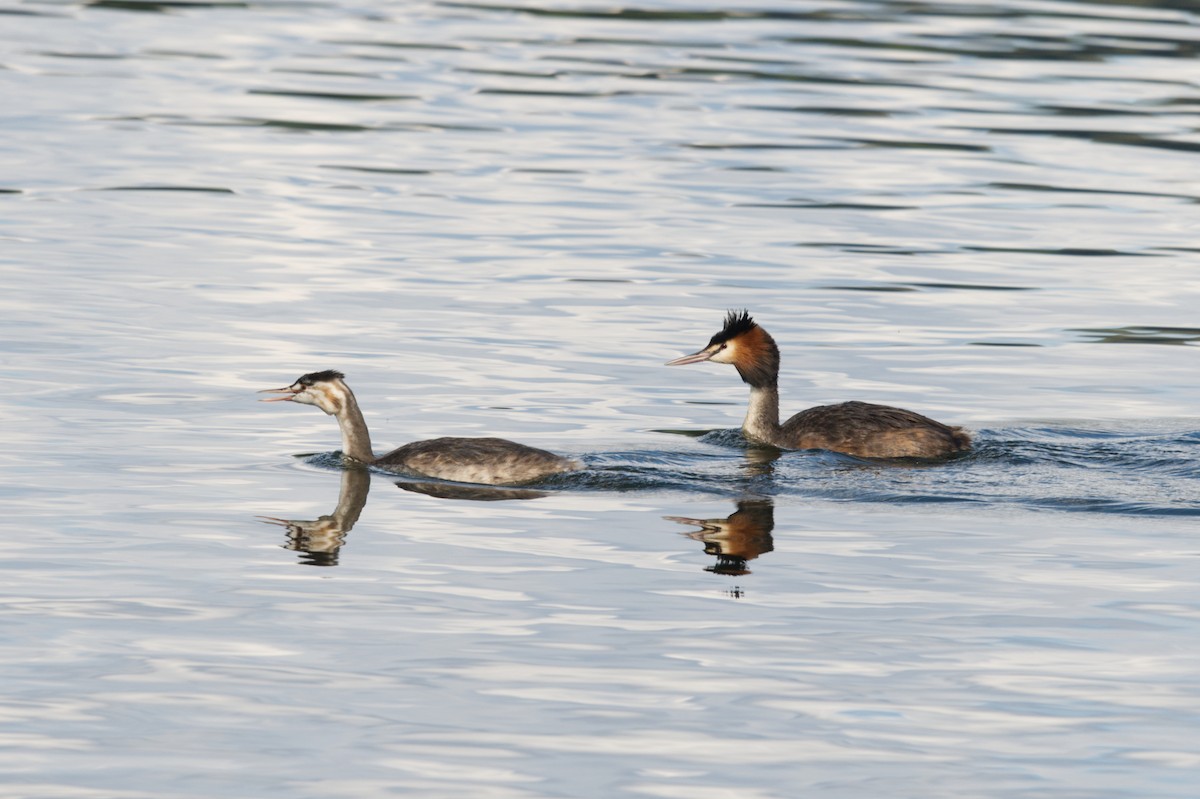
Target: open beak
[695,357]
[289,393]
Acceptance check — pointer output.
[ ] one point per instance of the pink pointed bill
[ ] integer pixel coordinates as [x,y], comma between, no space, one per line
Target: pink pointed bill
[289,393]
[695,357]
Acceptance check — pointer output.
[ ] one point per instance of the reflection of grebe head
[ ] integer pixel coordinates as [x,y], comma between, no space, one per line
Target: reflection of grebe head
[322,389]
[740,537]
[744,344]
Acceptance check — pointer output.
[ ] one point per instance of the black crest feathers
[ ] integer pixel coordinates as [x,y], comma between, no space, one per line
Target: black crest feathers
[736,323]
[320,377]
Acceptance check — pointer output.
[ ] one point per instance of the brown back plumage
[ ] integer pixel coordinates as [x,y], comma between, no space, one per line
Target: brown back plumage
[873,431]
[495,461]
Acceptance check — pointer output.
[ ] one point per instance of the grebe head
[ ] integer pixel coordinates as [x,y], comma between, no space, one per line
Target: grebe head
[744,344]
[322,389]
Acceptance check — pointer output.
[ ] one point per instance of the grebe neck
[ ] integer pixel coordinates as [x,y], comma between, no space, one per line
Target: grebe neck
[762,415]
[356,440]
[758,365]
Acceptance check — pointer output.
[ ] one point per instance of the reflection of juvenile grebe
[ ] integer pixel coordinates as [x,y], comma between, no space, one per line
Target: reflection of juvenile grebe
[734,540]
[476,493]
[321,539]
[855,428]
[493,461]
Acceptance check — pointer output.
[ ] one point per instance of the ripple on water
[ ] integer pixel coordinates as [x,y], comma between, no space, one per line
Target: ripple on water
[1075,468]
[546,198]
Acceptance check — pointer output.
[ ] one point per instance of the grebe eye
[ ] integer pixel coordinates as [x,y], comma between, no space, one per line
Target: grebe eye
[723,346]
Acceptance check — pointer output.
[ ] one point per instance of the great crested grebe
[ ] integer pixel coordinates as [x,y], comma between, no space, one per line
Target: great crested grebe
[494,461]
[855,428]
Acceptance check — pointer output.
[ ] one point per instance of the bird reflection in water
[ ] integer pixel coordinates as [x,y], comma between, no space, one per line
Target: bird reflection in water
[471,491]
[320,540]
[736,539]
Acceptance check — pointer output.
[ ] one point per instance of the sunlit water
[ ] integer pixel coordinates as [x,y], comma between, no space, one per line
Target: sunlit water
[502,220]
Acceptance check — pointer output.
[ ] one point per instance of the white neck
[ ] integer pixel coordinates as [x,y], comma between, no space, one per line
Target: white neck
[356,440]
[762,415]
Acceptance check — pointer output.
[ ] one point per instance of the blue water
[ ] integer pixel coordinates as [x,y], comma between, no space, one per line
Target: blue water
[502,220]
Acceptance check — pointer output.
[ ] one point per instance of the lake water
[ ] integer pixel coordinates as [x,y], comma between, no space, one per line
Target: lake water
[501,220]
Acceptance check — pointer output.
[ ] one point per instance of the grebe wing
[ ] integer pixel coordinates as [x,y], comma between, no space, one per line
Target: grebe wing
[873,431]
[492,461]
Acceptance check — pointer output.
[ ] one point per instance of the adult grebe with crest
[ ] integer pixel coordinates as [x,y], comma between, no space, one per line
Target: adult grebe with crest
[854,428]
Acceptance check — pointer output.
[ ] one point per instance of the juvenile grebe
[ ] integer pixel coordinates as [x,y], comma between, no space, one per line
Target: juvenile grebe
[855,428]
[493,461]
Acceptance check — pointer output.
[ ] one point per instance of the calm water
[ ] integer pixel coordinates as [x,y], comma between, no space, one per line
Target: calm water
[502,219]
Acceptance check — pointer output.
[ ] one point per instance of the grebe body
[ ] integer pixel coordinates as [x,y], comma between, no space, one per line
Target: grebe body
[492,461]
[854,428]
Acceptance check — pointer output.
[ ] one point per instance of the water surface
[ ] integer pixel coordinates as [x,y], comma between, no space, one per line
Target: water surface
[502,219]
